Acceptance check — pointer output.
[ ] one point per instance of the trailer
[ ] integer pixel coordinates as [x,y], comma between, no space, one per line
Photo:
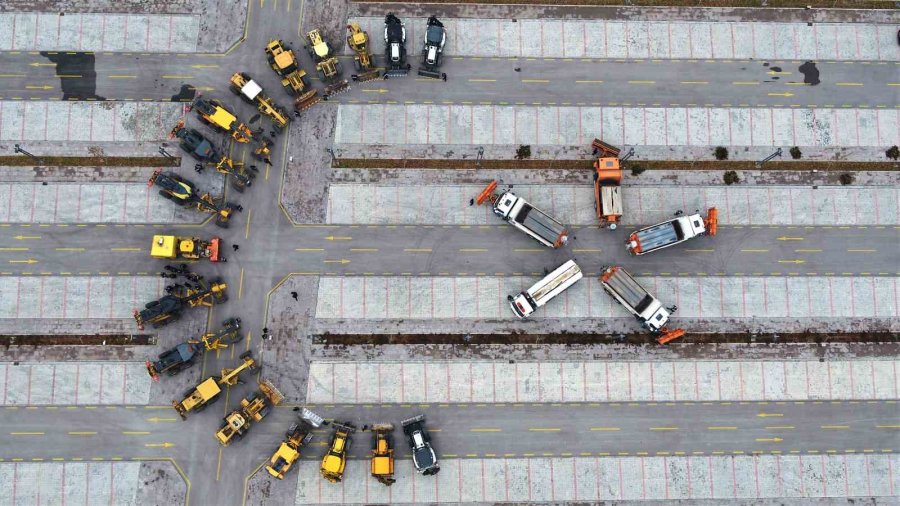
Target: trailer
[672,232]
[646,308]
[525,217]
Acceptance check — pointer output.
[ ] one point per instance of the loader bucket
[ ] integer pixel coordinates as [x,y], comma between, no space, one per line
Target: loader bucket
[338,87]
[178,126]
[669,335]
[487,193]
[429,73]
[306,100]
[367,76]
[401,72]
[712,221]
[154,375]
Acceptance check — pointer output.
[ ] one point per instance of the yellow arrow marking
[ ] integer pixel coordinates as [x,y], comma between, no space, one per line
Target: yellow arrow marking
[785,94]
[42,64]
[204,66]
[29,261]
[792,261]
[764,415]
[785,238]
[338,238]
[23,237]
[778,73]
[769,440]
[157,419]
[341,261]
[374,90]
[159,445]
[42,87]
[82,433]
[203,88]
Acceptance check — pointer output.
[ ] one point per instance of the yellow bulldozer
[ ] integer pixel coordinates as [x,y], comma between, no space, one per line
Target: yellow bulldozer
[335,459]
[214,113]
[283,61]
[383,454]
[327,65]
[207,392]
[253,409]
[288,453]
[245,87]
[358,40]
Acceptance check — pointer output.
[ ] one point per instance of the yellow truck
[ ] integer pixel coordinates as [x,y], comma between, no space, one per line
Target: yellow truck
[335,459]
[288,453]
[207,392]
[171,247]
[253,409]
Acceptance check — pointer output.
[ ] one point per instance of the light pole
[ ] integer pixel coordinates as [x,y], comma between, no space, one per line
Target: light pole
[479,156]
[331,152]
[18,149]
[766,159]
[162,151]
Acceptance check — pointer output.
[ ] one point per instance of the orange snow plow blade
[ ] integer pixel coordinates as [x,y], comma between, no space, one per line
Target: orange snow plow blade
[712,221]
[669,335]
[487,193]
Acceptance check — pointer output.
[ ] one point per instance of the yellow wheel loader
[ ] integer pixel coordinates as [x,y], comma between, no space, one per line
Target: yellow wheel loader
[335,459]
[383,454]
[288,453]
[245,87]
[207,392]
[253,409]
[283,61]
[327,65]
[358,40]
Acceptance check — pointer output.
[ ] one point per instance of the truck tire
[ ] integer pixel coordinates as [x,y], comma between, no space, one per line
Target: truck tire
[246,354]
[165,195]
[187,393]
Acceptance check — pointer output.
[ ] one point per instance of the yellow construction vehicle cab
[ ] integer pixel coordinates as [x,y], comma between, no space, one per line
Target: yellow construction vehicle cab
[282,60]
[335,459]
[288,452]
[358,40]
[327,65]
[245,87]
[253,409]
[383,454]
[214,113]
[207,392]
[170,247]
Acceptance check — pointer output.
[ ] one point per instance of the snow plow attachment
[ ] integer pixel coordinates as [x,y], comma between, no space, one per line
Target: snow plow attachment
[307,100]
[487,194]
[366,76]
[397,72]
[338,87]
[669,335]
[434,74]
[712,221]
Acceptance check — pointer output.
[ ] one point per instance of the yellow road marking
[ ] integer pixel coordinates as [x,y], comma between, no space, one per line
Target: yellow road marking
[485,430]
[482,80]
[589,81]
[754,251]
[862,250]
[535,80]
[241,284]
[527,250]
[338,238]
[849,84]
[135,433]
[587,250]
[417,250]
[364,250]
[26,433]
[780,427]
[13,249]
[176,77]
[249,215]
[544,429]
[745,83]
[605,429]
[82,433]
[122,77]
[769,440]
[700,250]
[309,249]
[838,427]
[664,428]
[126,249]
[888,426]
[721,428]
[69,249]
[807,251]
[694,82]
[641,82]
[472,250]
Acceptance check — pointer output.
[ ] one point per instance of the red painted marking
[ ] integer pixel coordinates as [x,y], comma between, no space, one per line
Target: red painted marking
[170,34]
[379,382]
[147,39]
[81,31]
[709,469]
[753,38]
[719,380]
[644,119]
[802,485]
[868,478]
[733,479]
[77,376]
[621,481]
[846,478]
[402,383]
[652,382]
[528,468]
[112,493]
[583,38]
[628,364]
[458,474]
[333,381]
[891,474]
[516,372]
[772,125]
[30,371]
[18,294]
[690,40]
[780,478]
[102,34]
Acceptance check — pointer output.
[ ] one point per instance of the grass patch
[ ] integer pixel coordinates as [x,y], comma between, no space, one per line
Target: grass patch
[89,161]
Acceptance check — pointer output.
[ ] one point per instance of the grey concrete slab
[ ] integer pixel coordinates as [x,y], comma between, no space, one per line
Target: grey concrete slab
[76,297]
[441,381]
[67,383]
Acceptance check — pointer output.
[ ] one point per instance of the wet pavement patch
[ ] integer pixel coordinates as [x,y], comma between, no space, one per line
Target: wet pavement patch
[77,75]
[810,73]
[186,94]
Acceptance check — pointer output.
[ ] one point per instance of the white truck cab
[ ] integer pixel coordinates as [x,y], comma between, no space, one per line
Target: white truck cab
[553,284]
[531,220]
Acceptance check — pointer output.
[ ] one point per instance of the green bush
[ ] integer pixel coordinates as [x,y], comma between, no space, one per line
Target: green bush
[893,153]
[721,153]
[637,170]
[796,153]
[731,177]
[523,152]
[847,178]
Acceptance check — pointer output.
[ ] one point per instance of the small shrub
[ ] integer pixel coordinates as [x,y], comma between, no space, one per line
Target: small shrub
[731,177]
[847,178]
[721,153]
[637,170]
[523,152]
[796,153]
[893,153]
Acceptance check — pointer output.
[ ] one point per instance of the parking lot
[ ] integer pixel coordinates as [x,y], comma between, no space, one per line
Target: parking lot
[73,384]
[76,297]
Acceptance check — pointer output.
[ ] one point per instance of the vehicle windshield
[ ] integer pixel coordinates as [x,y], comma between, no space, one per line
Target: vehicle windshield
[644,304]
[678,231]
[523,213]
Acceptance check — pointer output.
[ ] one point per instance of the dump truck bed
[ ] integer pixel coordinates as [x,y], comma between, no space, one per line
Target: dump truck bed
[610,200]
[659,236]
[631,292]
[535,220]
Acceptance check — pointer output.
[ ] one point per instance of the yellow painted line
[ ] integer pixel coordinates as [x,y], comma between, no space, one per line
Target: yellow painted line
[69,249]
[745,83]
[754,251]
[862,250]
[694,82]
[126,249]
[893,84]
[849,84]
[417,250]
[249,215]
[780,427]
[589,81]
[807,251]
[528,250]
[338,238]
[721,428]
[364,250]
[699,250]
[82,433]
[641,82]
[535,80]
[472,250]
[485,430]
[888,426]
[135,433]
[664,428]
[544,429]
[587,250]
[309,249]
[26,433]
[241,285]
[482,80]
[13,249]
[605,429]
[122,77]
[837,427]
[12,75]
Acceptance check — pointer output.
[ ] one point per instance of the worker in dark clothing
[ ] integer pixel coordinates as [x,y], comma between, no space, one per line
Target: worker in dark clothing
[235,247]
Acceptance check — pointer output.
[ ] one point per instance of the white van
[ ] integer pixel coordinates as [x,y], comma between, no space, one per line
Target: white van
[552,285]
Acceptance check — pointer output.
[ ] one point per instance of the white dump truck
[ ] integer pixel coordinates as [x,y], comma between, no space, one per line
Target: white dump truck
[525,217]
[672,232]
[544,290]
[645,307]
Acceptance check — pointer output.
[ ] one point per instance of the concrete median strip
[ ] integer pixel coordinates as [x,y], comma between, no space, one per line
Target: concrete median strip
[638,126]
[601,381]
[542,479]
[574,205]
[378,298]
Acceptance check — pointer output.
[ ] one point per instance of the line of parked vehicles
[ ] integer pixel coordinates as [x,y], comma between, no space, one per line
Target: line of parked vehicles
[615,280]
